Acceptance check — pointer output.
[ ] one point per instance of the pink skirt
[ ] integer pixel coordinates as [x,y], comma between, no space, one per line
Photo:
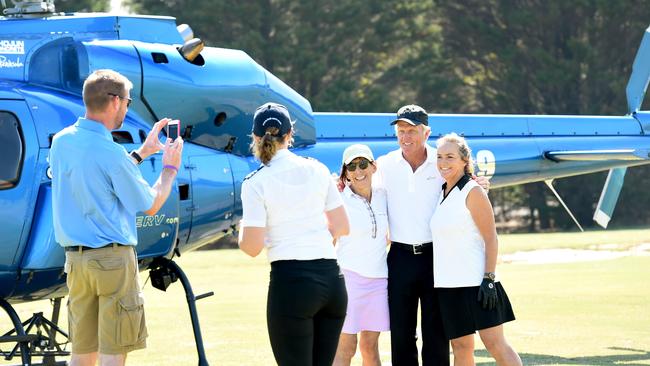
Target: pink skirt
[367,304]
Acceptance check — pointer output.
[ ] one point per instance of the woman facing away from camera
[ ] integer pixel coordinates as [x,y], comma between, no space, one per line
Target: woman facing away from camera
[362,257]
[292,207]
[465,249]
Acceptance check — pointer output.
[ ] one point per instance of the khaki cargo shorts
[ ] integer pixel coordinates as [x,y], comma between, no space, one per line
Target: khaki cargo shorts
[105,304]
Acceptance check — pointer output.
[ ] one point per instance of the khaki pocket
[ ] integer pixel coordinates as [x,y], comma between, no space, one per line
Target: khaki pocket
[131,327]
[107,264]
[71,323]
[67,268]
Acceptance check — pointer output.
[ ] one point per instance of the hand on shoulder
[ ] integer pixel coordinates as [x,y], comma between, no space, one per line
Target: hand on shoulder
[482,181]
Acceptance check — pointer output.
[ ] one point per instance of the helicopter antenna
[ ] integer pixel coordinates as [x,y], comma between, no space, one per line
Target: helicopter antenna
[28,9]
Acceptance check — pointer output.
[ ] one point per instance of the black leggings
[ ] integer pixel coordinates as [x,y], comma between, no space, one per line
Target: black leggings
[305,311]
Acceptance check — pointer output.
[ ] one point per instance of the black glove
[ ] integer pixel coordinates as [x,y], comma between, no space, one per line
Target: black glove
[487,294]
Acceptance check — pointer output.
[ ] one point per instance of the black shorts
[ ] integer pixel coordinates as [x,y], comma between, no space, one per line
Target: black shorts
[462,314]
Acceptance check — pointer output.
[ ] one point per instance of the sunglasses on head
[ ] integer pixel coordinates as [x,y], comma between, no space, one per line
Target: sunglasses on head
[362,164]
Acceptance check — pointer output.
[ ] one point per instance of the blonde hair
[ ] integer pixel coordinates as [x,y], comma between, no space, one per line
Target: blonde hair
[463,149]
[268,145]
[101,85]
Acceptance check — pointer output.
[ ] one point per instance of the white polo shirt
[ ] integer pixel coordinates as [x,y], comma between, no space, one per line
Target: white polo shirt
[458,247]
[289,198]
[412,196]
[363,251]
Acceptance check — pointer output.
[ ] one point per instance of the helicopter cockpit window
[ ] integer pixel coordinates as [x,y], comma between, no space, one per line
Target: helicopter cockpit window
[11,150]
[61,64]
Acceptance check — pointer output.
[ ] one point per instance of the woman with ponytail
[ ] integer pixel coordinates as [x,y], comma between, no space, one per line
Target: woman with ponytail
[465,249]
[292,207]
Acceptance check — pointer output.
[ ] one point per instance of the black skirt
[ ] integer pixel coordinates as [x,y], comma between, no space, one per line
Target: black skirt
[462,314]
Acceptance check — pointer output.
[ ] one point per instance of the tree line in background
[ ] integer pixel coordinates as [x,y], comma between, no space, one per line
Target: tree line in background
[472,56]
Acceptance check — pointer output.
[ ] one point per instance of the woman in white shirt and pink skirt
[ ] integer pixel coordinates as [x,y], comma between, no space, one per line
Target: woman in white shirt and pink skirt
[362,258]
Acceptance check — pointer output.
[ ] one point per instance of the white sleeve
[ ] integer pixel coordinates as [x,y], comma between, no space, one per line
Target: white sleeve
[333,199]
[254,211]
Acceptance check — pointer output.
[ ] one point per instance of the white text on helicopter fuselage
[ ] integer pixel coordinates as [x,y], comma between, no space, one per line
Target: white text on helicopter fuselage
[156,220]
[12,47]
[5,63]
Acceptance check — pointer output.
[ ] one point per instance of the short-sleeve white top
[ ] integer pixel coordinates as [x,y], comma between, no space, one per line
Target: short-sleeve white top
[412,196]
[363,251]
[289,197]
[458,247]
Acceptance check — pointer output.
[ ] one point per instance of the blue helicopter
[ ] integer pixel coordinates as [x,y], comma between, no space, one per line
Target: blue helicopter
[45,58]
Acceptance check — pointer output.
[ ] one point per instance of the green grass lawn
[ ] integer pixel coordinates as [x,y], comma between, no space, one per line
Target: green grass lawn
[604,239]
[587,313]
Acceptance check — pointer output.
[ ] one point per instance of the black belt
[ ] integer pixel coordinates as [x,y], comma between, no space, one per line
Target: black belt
[81,248]
[416,249]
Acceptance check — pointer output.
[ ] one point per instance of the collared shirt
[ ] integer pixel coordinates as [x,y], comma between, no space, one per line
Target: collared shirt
[96,188]
[289,198]
[363,251]
[412,196]
[458,247]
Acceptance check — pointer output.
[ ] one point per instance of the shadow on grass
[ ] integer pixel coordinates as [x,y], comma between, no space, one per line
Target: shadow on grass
[638,358]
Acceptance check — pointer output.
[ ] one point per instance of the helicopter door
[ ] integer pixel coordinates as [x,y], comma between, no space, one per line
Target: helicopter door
[18,187]
[213,197]
[156,233]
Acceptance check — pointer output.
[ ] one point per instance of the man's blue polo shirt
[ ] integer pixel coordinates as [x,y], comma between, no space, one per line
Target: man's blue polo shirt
[96,188]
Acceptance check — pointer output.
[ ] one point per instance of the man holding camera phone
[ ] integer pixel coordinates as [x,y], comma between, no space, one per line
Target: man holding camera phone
[173,129]
[97,189]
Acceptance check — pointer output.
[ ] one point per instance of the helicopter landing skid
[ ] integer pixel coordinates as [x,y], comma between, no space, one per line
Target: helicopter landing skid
[163,273]
[35,337]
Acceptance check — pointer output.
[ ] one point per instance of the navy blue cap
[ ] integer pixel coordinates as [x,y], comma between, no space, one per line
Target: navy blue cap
[413,114]
[271,115]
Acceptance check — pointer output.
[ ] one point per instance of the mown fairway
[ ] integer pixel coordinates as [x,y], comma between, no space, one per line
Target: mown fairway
[585,313]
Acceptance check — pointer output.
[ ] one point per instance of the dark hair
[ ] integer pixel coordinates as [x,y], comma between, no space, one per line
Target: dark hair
[343,176]
[268,145]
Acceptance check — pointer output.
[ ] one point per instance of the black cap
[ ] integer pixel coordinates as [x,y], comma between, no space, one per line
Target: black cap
[271,115]
[413,114]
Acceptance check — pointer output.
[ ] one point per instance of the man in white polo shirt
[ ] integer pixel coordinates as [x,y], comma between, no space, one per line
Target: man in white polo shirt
[413,185]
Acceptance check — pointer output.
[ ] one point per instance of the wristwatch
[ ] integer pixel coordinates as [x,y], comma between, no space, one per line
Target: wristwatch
[491,275]
[136,156]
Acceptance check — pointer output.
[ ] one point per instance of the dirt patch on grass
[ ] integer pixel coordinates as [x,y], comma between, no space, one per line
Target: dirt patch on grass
[601,252]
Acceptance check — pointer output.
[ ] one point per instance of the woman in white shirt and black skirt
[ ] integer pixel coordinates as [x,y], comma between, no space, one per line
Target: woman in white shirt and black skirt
[362,257]
[292,207]
[465,249]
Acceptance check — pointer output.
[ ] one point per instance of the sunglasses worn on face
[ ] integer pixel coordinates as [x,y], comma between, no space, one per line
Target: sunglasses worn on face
[362,164]
[128,100]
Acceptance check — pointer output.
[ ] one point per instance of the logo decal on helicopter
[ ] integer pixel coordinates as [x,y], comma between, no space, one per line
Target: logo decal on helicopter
[485,163]
[6,63]
[12,47]
[156,220]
